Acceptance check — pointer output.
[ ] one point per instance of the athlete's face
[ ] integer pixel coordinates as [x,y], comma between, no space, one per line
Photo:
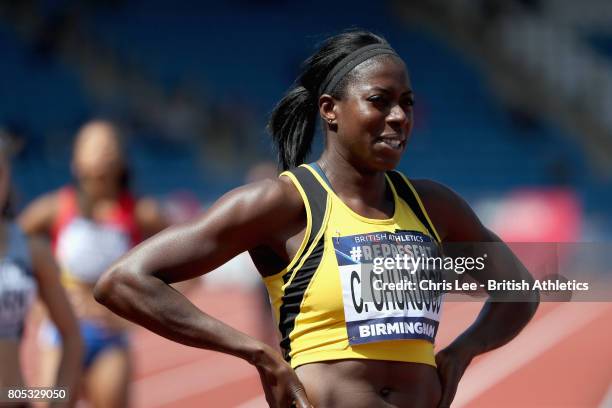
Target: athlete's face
[97,160]
[374,117]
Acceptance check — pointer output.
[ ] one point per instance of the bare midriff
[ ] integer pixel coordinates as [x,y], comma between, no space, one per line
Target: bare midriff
[370,384]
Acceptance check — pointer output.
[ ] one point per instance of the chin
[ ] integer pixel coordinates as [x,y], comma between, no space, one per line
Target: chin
[377,161]
[386,163]
[385,159]
[390,161]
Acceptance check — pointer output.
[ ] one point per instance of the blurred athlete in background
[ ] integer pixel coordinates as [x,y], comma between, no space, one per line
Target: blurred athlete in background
[91,224]
[27,267]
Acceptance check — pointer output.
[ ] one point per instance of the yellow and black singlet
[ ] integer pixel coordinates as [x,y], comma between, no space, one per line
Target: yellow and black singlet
[332,303]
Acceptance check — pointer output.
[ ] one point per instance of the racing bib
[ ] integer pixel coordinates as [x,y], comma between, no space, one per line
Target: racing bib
[386,286]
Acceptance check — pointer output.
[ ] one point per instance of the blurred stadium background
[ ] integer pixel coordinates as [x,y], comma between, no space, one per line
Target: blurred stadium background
[514,111]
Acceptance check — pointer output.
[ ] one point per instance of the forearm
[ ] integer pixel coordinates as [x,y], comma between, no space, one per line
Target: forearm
[69,371]
[153,304]
[506,312]
[496,324]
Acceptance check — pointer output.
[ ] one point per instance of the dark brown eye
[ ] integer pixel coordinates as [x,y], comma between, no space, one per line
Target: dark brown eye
[408,102]
[378,100]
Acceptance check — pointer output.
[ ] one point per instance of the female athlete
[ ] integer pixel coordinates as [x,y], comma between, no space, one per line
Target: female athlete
[27,268]
[314,234]
[91,224]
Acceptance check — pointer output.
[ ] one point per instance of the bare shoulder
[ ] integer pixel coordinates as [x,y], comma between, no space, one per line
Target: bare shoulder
[268,214]
[282,191]
[48,200]
[434,192]
[441,203]
[40,214]
[267,200]
[250,215]
[450,213]
[277,198]
[254,215]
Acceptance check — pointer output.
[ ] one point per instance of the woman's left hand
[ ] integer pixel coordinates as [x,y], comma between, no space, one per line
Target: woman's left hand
[451,363]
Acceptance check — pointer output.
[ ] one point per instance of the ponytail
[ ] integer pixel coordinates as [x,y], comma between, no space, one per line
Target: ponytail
[293,121]
[292,125]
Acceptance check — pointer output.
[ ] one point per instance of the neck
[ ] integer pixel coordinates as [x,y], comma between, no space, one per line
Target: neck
[88,203]
[354,185]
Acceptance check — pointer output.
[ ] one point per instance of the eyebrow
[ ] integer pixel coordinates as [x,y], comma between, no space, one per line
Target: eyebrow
[385,90]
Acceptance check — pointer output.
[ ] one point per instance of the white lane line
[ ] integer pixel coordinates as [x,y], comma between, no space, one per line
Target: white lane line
[189,379]
[532,342]
[606,402]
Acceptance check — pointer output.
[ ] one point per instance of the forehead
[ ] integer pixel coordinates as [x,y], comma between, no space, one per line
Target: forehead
[97,141]
[384,71]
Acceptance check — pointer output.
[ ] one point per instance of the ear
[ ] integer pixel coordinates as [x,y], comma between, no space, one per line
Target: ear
[327,110]
[327,107]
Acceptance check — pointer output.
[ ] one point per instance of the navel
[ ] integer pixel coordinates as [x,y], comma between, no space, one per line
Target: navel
[384,392]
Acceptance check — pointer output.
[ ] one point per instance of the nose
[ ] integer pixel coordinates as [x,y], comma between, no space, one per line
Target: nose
[397,117]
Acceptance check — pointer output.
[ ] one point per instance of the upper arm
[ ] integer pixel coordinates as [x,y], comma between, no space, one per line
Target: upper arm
[247,217]
[451,214]
[50,289]
[463,234]
[39,216]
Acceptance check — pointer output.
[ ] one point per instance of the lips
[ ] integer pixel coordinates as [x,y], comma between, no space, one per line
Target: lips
[393,141]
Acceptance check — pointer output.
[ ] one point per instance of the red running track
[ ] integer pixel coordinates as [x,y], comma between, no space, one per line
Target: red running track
[563,358]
